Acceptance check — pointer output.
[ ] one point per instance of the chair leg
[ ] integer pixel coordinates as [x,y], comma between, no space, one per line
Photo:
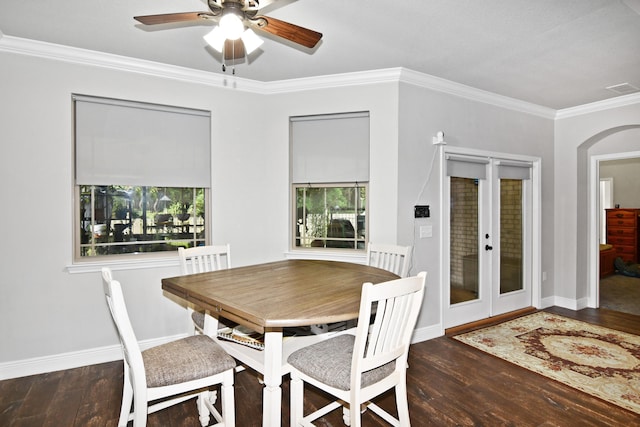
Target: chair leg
[354,418]
[127,399]
[203,411]
[346,411]
[402,403]
[140,409]
[352,414]
[297,400]
[227,399]
[346,416]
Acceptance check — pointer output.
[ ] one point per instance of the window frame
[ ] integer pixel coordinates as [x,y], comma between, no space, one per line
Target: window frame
[330,150]
[80,221]
[88,138]
[294,225]
[78,258]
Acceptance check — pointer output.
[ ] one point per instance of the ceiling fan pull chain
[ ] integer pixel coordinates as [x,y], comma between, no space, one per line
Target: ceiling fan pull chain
[233,70]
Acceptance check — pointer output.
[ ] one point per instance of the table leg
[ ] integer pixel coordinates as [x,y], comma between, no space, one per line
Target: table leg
[272,393]
[211,329]
[210,325]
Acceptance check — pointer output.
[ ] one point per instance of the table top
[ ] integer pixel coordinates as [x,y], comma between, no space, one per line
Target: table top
[280,294]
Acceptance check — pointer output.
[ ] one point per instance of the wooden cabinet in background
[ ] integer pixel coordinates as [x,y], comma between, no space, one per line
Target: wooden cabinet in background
[623,233]
[607,258]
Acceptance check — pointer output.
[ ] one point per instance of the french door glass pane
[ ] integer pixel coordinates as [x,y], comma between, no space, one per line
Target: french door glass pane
[510,235]
[464,240]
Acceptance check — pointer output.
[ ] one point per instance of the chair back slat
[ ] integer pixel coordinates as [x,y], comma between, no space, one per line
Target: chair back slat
[201,259]
[120,316]
[393,258]
[395,306]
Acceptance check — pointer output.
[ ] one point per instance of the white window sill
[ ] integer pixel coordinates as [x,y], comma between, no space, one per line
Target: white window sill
[142,263]
[344,256]
[123,264]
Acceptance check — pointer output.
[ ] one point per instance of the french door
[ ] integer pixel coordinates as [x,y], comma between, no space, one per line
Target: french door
[489,225]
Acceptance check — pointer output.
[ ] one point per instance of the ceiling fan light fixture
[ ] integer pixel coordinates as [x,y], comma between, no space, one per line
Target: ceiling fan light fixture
[251,40]
[215,39]
[231,24]
[231,36]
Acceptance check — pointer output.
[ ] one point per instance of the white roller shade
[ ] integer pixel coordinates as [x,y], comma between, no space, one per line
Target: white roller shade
[467,166]
[130,143]
[514,170]
[330,148]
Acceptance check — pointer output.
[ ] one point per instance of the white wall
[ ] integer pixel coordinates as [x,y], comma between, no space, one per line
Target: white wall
[469,124]
[577,137]
[46,311]
[625,174]
[381,100]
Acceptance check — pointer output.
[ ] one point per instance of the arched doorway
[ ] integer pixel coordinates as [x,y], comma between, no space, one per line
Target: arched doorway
[621,142]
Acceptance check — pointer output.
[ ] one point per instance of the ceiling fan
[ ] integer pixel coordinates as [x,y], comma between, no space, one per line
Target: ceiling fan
[236,18]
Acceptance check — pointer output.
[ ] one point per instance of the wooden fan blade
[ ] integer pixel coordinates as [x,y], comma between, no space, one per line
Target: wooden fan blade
[292,32]
[168,18]
[233,49]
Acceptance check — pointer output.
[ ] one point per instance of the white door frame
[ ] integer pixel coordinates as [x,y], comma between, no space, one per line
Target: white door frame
[608,203]
[504,303]
[536,229]
[593,239]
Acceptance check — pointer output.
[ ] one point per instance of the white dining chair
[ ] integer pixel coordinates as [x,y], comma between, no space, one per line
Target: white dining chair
[393,258]
[179,370]
[201,259]
[356,368]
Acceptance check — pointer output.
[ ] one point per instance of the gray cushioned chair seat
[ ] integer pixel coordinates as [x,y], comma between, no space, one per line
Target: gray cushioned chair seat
[184,360]
[198,319]
[329,361]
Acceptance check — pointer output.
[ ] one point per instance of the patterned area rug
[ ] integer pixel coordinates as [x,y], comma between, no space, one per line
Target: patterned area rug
[597,360]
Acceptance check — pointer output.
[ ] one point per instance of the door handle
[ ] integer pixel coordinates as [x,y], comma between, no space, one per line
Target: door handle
[488,248]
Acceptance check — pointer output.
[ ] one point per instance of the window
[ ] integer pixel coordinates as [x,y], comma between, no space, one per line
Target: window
[329,175]
[118,219]
[142,177]
[330,216]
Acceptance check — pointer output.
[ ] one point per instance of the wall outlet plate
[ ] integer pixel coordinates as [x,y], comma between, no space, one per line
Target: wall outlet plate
[421,211]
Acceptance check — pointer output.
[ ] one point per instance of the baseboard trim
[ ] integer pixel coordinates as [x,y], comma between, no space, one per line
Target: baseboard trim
[571,304]
[427,333]
[488,321]
[57,362]
[76,359]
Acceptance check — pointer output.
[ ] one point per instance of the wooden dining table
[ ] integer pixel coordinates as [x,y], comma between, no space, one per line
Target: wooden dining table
[270,297]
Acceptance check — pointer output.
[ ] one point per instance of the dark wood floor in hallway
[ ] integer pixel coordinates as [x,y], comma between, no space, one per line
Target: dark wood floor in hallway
[449,384]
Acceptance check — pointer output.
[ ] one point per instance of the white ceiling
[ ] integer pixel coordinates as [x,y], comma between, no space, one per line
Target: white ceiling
[554,53]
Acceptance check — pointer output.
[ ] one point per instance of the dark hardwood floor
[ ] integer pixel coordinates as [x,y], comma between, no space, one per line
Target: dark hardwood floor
[449,384]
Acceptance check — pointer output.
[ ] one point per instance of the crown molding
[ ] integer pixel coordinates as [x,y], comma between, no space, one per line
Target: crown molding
[79,56]
[404,75]
[391,75]
[468,92]
[607,104]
